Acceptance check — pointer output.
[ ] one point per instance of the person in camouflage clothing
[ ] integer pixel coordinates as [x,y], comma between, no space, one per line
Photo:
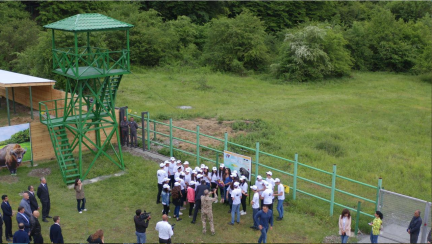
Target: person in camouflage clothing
[206,210]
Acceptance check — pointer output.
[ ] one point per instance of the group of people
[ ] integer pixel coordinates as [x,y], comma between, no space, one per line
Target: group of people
[128,132]
[197,188]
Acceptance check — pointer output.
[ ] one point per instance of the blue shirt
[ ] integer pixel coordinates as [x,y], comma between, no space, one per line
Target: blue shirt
[227,180]
[264,219]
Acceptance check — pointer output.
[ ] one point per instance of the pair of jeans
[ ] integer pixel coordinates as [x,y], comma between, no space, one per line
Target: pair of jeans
[191,205]
[177,211]
[280,208]
[344,239]
[81,204]
[141,237]
[373,238]
[235,210]
[222,192]
[254,212]
[263,237]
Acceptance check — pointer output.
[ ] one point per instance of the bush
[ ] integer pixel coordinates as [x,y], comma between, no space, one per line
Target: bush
[313,53]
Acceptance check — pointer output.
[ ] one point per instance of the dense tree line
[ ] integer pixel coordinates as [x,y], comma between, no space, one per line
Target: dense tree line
[294,41]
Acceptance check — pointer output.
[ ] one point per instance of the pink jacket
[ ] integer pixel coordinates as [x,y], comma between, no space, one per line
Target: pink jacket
[346,228]
[191,194]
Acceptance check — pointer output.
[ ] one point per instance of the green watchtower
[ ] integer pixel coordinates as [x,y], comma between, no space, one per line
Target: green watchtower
[88,109]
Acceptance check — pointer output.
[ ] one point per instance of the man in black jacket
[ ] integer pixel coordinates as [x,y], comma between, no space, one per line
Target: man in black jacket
[43,195]
[141,225]
[414,227]
[35,229]
[124,127]
[32,198]
[7,217]
[1,228]
[133,126]
[198,193]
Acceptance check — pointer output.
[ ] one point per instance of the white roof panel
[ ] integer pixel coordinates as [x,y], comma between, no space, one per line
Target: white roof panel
[12,79]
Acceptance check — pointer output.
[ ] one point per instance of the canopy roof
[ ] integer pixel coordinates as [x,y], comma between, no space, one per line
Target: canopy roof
[11,79]
[88,22]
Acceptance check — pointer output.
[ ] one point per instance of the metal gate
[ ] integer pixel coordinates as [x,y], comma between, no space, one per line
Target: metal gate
[398,211]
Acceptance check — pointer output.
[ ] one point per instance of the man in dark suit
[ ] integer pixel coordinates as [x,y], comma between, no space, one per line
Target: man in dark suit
[21,236]
[32,198]
[43,195]
[199,192]
[21,217]
[26,204]
[414,227]
[55,231]
[1,228]
[35,230]
[7,217]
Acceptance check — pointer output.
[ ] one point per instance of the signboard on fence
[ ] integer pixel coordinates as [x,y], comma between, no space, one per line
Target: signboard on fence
[241,163]
[15,146]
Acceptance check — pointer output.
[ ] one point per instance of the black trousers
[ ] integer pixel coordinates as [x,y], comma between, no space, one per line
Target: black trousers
[171,181]
[8,226]
[191,205]
[133,138]
[1,233]
[164,241]
[414,238]
[125,137]
[38,238]
[45,209]
[243,202]
[197,207]
[159,193]
[166,209]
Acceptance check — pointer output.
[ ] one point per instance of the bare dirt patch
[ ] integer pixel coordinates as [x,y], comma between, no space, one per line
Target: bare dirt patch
[9,179]
[332,239]
[211,127]
[40,172]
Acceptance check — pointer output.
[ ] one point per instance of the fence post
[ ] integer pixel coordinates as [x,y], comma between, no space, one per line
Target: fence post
[143,131]
[198,145]
[154,130]
[425,228]
[333,190]
[295,176]
[217,160]
[148,131]
[378,193]
[256,160]
[357,218]
[171,138]
[226,142]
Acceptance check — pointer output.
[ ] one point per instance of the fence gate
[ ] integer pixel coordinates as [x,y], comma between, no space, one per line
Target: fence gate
[398,211]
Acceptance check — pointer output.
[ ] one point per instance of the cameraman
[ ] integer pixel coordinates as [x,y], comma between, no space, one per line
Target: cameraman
[141,223]
[165,230]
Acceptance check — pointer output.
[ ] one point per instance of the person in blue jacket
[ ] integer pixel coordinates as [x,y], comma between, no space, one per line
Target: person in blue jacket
[264,217]
[21,236]
[56,232]
[414,227]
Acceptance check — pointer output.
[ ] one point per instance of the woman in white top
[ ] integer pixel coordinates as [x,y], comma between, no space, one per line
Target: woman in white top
[206,176]
[244,189]
[214,180]
[345,225]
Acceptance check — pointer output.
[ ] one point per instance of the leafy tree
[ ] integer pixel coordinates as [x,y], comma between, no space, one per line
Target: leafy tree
[410,10]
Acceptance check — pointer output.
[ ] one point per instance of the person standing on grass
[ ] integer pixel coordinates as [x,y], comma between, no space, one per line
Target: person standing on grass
[32,199]
[97,237]
[161,175]
[177,200]
[165,230]
[56,235]
[166,194]
[191,197]
[261,187]
[7,217]
[267,196]
[133,126]
[172,170]
[214,181]
[207,210]
[25,202]
[414,227]
[21,217]
[264,218]
[183,188]
[271,181]
[141,225]
[345,225]
[376,227]
[1,228]
[229,190]
[124,127]
[35,230]
[255,206]
[281,198]
[244,188]
[236,196]
[220,181]
[21,236]
[186,166]
[44,197]
[227,180]
[80,197]
[198,193]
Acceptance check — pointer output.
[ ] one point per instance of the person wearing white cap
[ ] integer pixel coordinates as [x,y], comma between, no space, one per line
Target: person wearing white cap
[166,167]
[206,176]
[166,199]
[255,205]
[177,200]
[185,166]
[161,175]
[191,196]
[183,190]
[227,180]
[244,188]
[199,178]
[267,196]
[236,196]
[281,198]
[179,164]
[214,181]
[187,178]
[220,181]
[271,181]
[177,174]
[172,170]
[260,185]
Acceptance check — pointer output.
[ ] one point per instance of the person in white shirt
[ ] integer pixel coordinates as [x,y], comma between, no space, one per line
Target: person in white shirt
[244,187]
[255,205]
[271,181]
[185,166]
[183,189]
[172,170]
[177,174]
[164,229]
[281,198]
[214,181]
[166,167]
[161,175]
[187,178]
[260,185]
[267,196]
[236,196]
[179,164]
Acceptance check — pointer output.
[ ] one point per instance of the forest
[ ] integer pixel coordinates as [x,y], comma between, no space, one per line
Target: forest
[292,41]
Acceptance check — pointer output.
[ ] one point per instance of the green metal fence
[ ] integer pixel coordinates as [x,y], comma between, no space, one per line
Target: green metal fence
[151,136]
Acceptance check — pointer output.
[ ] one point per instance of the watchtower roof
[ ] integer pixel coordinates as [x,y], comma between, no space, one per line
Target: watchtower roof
[88,22]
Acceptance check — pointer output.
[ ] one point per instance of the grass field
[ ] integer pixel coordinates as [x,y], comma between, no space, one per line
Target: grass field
[379,124]
[27,155]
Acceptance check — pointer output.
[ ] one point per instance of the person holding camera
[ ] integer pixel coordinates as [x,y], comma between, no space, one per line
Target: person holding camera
[165,230]
[141,223]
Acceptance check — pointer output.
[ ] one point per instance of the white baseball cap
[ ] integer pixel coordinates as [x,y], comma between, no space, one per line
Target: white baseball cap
[199,176]
[186,162]
[277,180]
[166,162]
[269,173]
[236,184]
[254,187]
[172,158]
[214,168]
[192,183]
[194,172]
[197,168]
[221,165]
[233,175]
[162,165]
[176,184]
[178,162]
[182,173]
[259,177]
[202,166]
[177,179]
[206,167]
[242,177]
[166,179]
[166,186]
